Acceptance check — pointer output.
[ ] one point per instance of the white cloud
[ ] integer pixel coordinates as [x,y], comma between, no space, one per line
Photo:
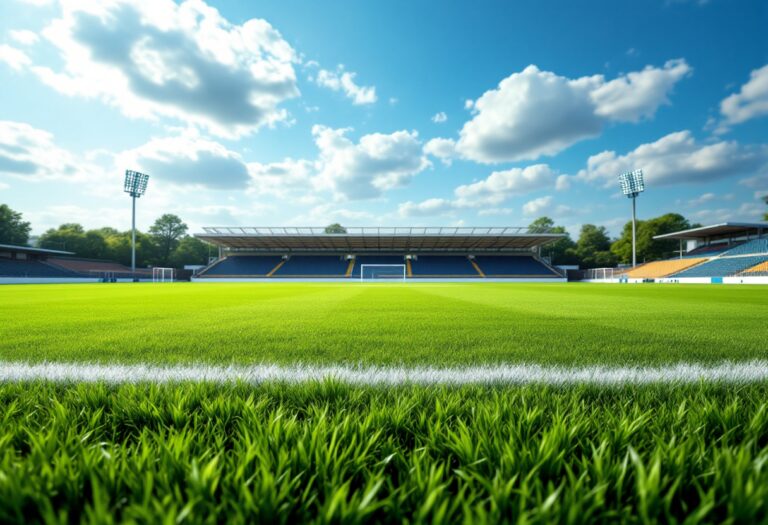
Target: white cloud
[500,185]
[188,160]
[443,149]
[280,178]
[702,199]
[15,58]
[750,102]
[344,81]
[534,113]
[30,153]
[24,37]
[639,94]
[429,207]
[157,59]
[36,3]
[378,162]
[440,117]
[4,186]
[536,206]
[677,158]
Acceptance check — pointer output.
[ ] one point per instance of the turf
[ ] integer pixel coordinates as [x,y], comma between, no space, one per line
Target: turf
[327,453]
[387,324]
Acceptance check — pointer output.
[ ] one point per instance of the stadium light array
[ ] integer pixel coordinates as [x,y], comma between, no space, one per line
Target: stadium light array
[632,185]
[135,185]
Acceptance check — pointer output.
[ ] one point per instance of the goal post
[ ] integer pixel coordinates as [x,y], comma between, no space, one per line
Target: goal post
[380,272]
[163,275]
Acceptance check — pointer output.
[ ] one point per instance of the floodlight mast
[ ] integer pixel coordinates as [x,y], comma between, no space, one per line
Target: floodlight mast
[632,185]
[135,186]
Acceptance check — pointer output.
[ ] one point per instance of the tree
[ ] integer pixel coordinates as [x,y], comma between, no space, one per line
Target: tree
[335,228]
[649,249]
[190,251]
[594,247]
[166,233]
[13,229]
[561,251]
[119,248]
[765,216]
[72,237]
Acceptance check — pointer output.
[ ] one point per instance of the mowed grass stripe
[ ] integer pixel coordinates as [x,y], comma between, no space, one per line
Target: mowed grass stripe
[501,375]
[454,324]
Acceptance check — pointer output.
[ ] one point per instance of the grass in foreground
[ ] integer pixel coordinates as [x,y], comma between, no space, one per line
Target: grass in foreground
[329,453]
[435,324]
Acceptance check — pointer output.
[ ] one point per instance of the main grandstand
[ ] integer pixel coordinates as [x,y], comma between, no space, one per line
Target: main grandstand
[438,253]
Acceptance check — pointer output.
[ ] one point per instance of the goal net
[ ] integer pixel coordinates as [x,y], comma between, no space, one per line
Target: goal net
[163,275]
[382,272]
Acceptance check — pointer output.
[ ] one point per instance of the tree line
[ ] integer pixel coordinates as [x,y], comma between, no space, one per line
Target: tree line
[168,244]
[165,244]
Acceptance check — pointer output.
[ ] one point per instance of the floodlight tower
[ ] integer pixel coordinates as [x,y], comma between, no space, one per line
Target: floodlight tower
[135,186]
[632,185]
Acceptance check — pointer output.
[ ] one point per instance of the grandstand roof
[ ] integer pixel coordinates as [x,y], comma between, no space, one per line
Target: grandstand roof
[29,249]
[722,230]
[377,239]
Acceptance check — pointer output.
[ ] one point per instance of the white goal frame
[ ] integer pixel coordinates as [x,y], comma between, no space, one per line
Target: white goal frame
[364,266]
[163,275]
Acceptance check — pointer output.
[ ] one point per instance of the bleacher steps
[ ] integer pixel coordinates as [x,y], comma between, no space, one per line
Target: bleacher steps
[276,268]
[477,268]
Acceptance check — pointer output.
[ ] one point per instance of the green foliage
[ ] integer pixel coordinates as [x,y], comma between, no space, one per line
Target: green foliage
[13,228]
[594,247]
[166,232]
[417,323]
[560,252]
[72,237]
[649,249]
[190,250]
[335,228]
[329,453]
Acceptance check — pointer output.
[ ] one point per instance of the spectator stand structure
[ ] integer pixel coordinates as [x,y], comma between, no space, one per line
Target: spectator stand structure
[729,253]
[424,254]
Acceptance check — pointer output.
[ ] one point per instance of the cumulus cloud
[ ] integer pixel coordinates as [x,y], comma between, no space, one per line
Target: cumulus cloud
[536,206]
[24,37]
[501,185]
[678,158]
[344,81]
[15,58]
[534,112]
[158,59]
[440,117]
[378,162]
[443,149]
[283,177]
[750,102]
[188,161]
[32,154]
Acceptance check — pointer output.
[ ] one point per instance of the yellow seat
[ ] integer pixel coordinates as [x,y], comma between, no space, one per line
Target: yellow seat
[663,268]
[762,267]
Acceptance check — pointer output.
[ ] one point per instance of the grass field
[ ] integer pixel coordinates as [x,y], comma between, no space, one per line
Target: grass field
[329,452]
[435,324]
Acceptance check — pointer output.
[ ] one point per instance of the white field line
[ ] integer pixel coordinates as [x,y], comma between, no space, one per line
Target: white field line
[505,374]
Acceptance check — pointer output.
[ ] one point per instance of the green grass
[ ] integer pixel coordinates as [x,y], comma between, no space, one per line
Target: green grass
[437,324]
[329,453]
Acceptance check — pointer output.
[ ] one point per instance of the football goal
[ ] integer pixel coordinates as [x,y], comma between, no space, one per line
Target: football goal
[163,275]
[381,272]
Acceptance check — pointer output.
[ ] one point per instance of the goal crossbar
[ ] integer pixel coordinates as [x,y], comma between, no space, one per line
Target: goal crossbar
[389,276]
[163,275]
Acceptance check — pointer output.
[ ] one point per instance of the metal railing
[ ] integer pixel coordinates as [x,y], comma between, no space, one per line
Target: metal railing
[375,231]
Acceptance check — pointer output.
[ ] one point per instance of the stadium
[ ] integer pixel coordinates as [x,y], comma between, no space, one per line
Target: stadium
[383,262]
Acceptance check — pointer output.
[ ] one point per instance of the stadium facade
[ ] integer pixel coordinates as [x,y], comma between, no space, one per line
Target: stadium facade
[428,253]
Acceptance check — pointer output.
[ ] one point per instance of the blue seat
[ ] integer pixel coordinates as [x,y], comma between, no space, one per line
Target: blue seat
[512,265]
[751,247]
[314,265]
[31,268]
[244,266]
[443,266]
[723,266]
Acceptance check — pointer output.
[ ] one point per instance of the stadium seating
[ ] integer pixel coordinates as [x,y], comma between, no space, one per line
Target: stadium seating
[443,266]
[243,266]
[710,251]
[31,268]
[512,265]
[91,267]
[759,268]
[313,266]
[723,266]
[750,247]
[663,268]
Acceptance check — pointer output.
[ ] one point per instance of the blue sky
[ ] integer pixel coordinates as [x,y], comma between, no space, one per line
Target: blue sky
[388,113]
